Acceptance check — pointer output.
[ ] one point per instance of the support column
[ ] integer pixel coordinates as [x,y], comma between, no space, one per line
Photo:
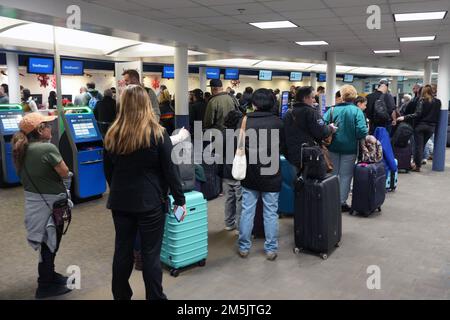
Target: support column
[202,78]
[440,135]
[313,80]
[12,61]
[331,78]
[428,72]
[58,81]
[394,86]
[181,87]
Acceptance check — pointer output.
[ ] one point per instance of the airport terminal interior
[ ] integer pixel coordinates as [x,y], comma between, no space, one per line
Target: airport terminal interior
[62,62]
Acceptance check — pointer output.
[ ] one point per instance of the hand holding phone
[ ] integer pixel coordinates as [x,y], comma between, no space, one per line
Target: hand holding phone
[179,213]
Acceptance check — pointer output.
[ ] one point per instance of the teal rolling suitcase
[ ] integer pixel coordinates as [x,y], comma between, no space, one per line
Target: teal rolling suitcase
[185,243]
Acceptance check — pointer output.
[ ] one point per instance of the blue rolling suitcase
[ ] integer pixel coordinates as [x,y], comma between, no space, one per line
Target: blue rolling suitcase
[185,243]
[391,179]
[287,194]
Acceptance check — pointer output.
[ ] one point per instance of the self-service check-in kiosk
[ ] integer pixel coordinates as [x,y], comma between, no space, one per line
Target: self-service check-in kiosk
[81,147]
[10,116]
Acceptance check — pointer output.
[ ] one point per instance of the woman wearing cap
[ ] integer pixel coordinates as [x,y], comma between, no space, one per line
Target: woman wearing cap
[41,170]
[139,171]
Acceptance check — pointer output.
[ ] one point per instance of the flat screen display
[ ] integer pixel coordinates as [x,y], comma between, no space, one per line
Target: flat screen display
[168,72]
[72,67]
[212,73]
[348,78]
[322,77]
[296,76]
[9,122]
[40,65]
[83,127]
[231,74]
[265,75]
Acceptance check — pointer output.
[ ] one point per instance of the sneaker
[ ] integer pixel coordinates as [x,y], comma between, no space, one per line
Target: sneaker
[50,290]
[230,228]
[424,161]
[345,208]
[271,256]
[243,254]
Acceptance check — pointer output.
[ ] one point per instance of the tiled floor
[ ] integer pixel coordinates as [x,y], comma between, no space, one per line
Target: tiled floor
[409,241]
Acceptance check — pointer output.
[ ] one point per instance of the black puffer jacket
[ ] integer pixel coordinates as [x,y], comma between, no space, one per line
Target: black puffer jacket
[254,180]
[303,124]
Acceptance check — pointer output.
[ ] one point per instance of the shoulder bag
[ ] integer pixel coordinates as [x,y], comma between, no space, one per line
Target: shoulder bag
[239,169]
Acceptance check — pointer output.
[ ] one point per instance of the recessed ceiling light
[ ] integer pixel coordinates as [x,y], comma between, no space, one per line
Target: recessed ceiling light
[274,25]
[386,51]
[409,39]
[312,43]
[433,57]
[437,15]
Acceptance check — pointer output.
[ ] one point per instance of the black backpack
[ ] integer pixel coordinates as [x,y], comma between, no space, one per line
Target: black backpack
[402,135]
[380,112]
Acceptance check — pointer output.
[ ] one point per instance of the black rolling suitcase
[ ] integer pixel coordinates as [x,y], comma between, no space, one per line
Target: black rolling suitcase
[317,215]
[369,188]
[403,155]
[213,185]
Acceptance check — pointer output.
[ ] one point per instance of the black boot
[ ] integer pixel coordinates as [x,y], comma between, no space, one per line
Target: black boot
[48,290]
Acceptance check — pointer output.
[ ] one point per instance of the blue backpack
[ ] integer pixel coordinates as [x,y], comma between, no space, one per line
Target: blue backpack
[92,101]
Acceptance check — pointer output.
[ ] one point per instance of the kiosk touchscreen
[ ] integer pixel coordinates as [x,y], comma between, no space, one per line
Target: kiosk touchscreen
[10,116]
[81,147]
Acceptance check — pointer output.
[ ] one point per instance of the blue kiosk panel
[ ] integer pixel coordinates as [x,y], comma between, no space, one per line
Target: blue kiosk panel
[90,179]
[9,125]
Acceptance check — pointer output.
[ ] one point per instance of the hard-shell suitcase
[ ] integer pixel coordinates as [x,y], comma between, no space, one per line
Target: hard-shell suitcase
[369,188]
[392,179]
[317,217]
[213,185]
[403,156]
[287,194]
[185,243]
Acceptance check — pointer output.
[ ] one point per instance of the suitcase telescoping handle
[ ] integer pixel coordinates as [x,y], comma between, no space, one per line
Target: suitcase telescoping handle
[301,178]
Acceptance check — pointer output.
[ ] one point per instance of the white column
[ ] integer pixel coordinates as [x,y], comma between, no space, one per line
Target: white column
[313,80]
[12,61]
[58,78]
[331,78]
[444,77]
[394,86]
[428,72]
[202,78]
[181,86]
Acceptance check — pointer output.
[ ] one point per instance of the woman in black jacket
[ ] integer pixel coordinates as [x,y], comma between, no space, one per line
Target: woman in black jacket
[139,171]
[425,118]
[265,139]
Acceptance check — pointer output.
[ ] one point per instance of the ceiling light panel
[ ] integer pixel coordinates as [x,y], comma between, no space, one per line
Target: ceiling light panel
[273,24]
[412,39]
[419,16]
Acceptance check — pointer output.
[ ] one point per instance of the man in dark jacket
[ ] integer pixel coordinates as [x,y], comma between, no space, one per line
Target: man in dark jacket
[265,138]
[304,124]
[197,108]
[105,112]
[383,89]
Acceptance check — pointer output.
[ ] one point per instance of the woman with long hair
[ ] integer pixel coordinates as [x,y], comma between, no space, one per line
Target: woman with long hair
[425,120]
[139,171]
[41,170]
[167,118]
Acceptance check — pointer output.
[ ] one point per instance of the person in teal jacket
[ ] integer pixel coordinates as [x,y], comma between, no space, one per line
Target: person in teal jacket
[352,127]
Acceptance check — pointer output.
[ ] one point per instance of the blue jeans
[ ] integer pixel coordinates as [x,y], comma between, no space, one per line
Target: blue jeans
[270,214]
[343,166]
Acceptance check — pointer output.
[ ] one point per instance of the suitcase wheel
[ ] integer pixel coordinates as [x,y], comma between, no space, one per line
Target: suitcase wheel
[379,209]
[174,273]
[337,245]
[297,250]
[202,263]
[324,256]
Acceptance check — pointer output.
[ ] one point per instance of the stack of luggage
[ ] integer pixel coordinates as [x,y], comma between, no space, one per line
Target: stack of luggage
[317,209]
[402,146]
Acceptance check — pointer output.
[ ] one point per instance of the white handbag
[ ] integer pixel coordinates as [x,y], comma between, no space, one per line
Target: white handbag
[239,170]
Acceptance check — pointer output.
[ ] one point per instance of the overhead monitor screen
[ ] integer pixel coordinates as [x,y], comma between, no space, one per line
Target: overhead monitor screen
[322,77]
[40,65]
[9,122]
[265,75]
[348,78]
[231,74]
[83,127]
[72,67]
[296,76]
[212,73]
[168,72]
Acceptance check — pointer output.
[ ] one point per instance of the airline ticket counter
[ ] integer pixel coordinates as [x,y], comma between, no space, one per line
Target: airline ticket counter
[81,147]
[10,116]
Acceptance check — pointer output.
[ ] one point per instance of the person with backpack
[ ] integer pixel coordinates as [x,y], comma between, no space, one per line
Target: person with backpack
[344,147]
[425,119]
[92,96]
[381,109]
